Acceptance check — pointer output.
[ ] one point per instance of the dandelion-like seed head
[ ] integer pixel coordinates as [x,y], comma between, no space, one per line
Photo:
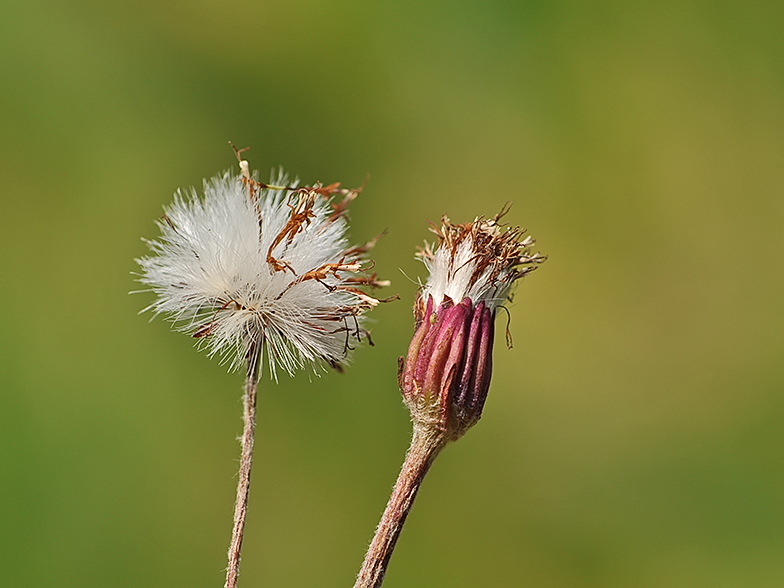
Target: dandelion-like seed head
[251,267]
[446,375]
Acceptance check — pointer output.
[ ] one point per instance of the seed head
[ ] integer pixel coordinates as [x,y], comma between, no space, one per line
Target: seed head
[255,266]
[446,375]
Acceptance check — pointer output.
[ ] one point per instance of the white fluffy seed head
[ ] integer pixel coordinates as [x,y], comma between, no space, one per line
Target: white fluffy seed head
[251,266]
[480,260]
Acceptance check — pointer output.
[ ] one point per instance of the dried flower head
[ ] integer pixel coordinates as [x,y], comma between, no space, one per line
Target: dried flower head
[255,266]
[446,374]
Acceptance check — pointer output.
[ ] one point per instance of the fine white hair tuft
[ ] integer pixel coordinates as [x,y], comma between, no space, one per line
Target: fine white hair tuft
[255,266]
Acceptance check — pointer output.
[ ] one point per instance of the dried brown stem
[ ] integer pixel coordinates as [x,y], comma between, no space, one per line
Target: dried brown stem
[425,446]
[243,485]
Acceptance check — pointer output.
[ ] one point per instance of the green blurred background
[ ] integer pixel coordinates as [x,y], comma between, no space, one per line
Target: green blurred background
[634,436]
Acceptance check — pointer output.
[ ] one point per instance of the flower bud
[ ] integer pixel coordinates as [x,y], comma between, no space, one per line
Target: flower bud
[446,374]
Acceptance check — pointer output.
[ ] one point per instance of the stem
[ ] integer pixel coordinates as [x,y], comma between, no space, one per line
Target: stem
[425,446]
[243,485]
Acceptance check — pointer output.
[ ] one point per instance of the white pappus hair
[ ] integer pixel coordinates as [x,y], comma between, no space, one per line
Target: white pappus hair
[251,266]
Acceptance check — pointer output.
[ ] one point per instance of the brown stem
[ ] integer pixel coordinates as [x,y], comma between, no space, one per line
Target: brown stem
[425,446]
[243,485]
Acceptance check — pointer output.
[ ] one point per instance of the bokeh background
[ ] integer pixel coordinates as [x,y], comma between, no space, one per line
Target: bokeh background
[634,435]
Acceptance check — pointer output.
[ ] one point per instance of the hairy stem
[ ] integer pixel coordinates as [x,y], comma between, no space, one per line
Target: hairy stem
[425,446]
[243,485]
